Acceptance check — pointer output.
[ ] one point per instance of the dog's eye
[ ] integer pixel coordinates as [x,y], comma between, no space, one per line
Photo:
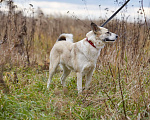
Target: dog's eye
[108,33]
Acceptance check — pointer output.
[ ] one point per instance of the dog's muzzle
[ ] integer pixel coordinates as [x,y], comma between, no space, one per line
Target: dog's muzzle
[109,40]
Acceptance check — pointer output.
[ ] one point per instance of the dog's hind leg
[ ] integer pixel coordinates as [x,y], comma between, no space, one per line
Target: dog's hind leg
[66,72]
[52,69]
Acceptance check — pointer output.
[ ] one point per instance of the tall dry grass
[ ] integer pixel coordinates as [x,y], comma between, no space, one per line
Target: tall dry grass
[31,38]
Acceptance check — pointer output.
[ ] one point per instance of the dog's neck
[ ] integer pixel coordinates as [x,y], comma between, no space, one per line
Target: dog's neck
[95,43]
[91,42]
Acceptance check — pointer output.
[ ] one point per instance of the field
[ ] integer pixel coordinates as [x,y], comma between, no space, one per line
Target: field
[120,87]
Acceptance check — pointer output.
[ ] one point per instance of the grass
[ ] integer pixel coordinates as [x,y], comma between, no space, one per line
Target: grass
[30,99]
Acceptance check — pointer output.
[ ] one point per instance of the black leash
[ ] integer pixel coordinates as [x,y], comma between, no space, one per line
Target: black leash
[115,13]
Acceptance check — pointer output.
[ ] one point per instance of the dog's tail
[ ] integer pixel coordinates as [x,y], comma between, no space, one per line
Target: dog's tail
[65,37]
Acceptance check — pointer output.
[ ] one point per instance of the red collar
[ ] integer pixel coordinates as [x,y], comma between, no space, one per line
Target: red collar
[91,42]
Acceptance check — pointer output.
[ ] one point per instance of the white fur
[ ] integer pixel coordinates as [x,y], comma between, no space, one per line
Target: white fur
[80,57]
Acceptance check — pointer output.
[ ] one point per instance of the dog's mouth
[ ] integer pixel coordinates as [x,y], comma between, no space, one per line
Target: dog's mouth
[108,40]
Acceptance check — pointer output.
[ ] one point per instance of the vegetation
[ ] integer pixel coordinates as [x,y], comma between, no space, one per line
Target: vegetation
[120,88]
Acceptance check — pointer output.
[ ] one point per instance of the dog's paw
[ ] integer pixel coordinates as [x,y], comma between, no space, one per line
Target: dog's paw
[47,86]
[48,83]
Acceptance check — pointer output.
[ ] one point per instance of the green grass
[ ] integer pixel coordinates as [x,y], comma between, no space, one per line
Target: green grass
[29,98]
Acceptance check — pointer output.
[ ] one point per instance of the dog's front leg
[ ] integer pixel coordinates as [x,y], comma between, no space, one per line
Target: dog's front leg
[88,79]
[79,82]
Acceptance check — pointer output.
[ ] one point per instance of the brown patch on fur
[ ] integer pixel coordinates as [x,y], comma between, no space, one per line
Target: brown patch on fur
[97,35]
[62,38]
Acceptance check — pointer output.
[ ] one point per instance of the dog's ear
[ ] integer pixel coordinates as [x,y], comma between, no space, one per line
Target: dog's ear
[95,28]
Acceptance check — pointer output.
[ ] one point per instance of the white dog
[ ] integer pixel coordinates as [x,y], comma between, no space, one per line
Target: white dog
[81,56]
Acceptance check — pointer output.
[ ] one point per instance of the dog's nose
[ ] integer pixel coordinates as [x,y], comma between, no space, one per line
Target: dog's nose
[116,36]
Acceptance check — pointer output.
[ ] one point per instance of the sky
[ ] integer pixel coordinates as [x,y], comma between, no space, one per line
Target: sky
[90,9]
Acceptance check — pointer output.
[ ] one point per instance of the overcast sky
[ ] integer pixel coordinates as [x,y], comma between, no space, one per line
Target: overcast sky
[91,9]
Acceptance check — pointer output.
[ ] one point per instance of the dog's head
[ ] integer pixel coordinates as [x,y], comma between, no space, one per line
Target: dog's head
[103,34]
[100,35]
